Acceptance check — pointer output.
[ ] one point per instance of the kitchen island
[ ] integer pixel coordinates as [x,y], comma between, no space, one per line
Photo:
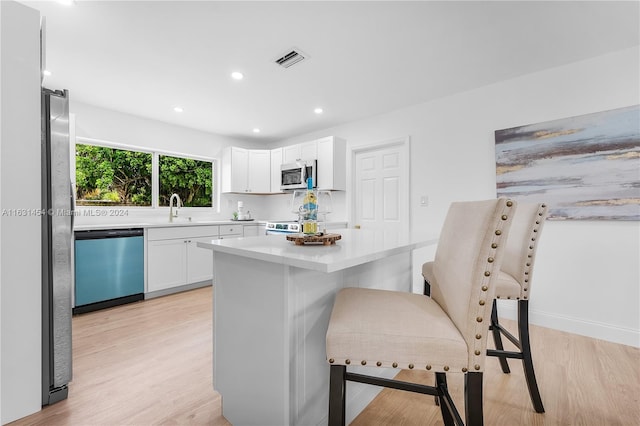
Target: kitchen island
[272,303]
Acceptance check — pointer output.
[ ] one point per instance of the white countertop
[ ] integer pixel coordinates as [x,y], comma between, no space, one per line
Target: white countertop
[357,246]
[178,222]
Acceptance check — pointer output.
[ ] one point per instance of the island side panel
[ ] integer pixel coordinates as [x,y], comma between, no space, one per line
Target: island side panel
[389,273]
[251,339]
[314,294]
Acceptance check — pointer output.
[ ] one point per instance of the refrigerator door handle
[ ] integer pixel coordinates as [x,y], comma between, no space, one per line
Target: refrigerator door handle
[57,248]
[73,207]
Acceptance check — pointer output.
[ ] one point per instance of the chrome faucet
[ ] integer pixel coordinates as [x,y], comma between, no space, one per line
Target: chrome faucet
[173,214]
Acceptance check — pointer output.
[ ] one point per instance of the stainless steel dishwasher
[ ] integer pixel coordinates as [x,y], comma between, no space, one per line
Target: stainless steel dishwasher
[109,266]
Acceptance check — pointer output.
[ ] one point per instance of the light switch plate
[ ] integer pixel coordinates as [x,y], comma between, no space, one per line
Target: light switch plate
[424,201]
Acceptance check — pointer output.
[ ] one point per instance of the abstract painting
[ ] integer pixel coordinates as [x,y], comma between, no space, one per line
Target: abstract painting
[585,167]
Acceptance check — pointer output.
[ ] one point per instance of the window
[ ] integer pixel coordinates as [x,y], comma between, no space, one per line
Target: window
[190,179]
[112,177]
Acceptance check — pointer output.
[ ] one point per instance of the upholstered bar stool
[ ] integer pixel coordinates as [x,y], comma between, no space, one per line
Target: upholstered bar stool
[514,283]
[444,334]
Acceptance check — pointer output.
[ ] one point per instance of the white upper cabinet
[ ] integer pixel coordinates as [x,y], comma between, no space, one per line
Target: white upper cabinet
[290,154]
[246,170]
[308,150]
[301,151]
[276,162]
[259,171]
[332,163]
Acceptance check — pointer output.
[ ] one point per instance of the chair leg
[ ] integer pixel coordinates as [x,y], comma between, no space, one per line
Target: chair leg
[473,399]
[337,394]
[497,337]
[527,360]
[441,381]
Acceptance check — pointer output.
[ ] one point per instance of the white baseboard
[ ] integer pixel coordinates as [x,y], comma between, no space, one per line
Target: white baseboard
[166,291]
[594,329]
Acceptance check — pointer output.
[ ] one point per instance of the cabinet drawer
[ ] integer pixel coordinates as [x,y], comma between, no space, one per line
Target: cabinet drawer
[226,230]
[168,233]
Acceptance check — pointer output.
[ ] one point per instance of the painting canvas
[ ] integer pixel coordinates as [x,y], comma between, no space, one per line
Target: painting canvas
[585,167]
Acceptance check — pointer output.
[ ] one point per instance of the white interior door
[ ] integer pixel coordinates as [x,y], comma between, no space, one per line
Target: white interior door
[381,186]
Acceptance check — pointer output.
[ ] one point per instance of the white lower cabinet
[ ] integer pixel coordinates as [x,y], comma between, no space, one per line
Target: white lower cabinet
[252,230]
[173,258]
[166,264]
[199,261]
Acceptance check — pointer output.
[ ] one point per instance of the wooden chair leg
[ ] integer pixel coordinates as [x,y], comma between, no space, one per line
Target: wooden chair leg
[441,382]
[497,337]
[337,395]
[527,360]
[427,288]
[473,399]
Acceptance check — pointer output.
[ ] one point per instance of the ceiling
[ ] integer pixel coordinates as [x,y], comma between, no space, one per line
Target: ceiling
[365,58]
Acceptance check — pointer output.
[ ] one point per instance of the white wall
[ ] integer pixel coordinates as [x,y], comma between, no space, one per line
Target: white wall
[278,207]
[587,275]
[100,123]
[20,266]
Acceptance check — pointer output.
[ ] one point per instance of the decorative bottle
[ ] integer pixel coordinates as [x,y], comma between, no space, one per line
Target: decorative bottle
[310,207]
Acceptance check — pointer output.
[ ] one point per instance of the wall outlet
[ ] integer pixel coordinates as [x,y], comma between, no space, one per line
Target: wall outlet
[424,201]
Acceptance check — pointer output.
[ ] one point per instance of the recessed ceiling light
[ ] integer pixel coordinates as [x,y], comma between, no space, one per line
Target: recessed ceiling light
[66,2]
[318,110]
[46,73]
[178,109]
[237,75]
[256,130]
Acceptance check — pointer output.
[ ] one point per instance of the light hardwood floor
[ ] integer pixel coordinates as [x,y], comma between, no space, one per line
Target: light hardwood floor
[149,363]
[144,363]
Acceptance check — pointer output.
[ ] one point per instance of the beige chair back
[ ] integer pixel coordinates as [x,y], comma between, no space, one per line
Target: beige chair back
[522,244]
[466,265]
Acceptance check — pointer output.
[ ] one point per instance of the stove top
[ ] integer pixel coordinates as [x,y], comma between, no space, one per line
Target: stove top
[283,227]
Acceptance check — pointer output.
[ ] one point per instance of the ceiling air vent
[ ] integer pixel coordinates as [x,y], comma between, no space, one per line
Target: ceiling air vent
[291,58]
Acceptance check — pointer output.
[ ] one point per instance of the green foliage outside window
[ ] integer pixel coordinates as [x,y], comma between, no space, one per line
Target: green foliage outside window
[190,179]
[119,177]
[111,176]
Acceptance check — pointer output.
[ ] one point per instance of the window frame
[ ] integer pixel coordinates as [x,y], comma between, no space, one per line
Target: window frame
[156,165]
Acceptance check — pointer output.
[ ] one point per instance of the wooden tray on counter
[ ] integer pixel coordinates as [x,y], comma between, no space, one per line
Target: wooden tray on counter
[324,239]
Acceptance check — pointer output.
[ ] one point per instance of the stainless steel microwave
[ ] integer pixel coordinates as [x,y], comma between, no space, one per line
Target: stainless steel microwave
[295,175]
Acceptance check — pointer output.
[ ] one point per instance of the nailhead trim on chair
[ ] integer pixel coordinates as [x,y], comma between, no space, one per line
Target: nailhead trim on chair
[479,342]
[389,364]
[541,212]
[528,265]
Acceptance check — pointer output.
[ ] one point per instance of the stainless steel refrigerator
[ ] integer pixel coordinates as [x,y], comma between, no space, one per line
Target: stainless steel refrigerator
[57,243]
